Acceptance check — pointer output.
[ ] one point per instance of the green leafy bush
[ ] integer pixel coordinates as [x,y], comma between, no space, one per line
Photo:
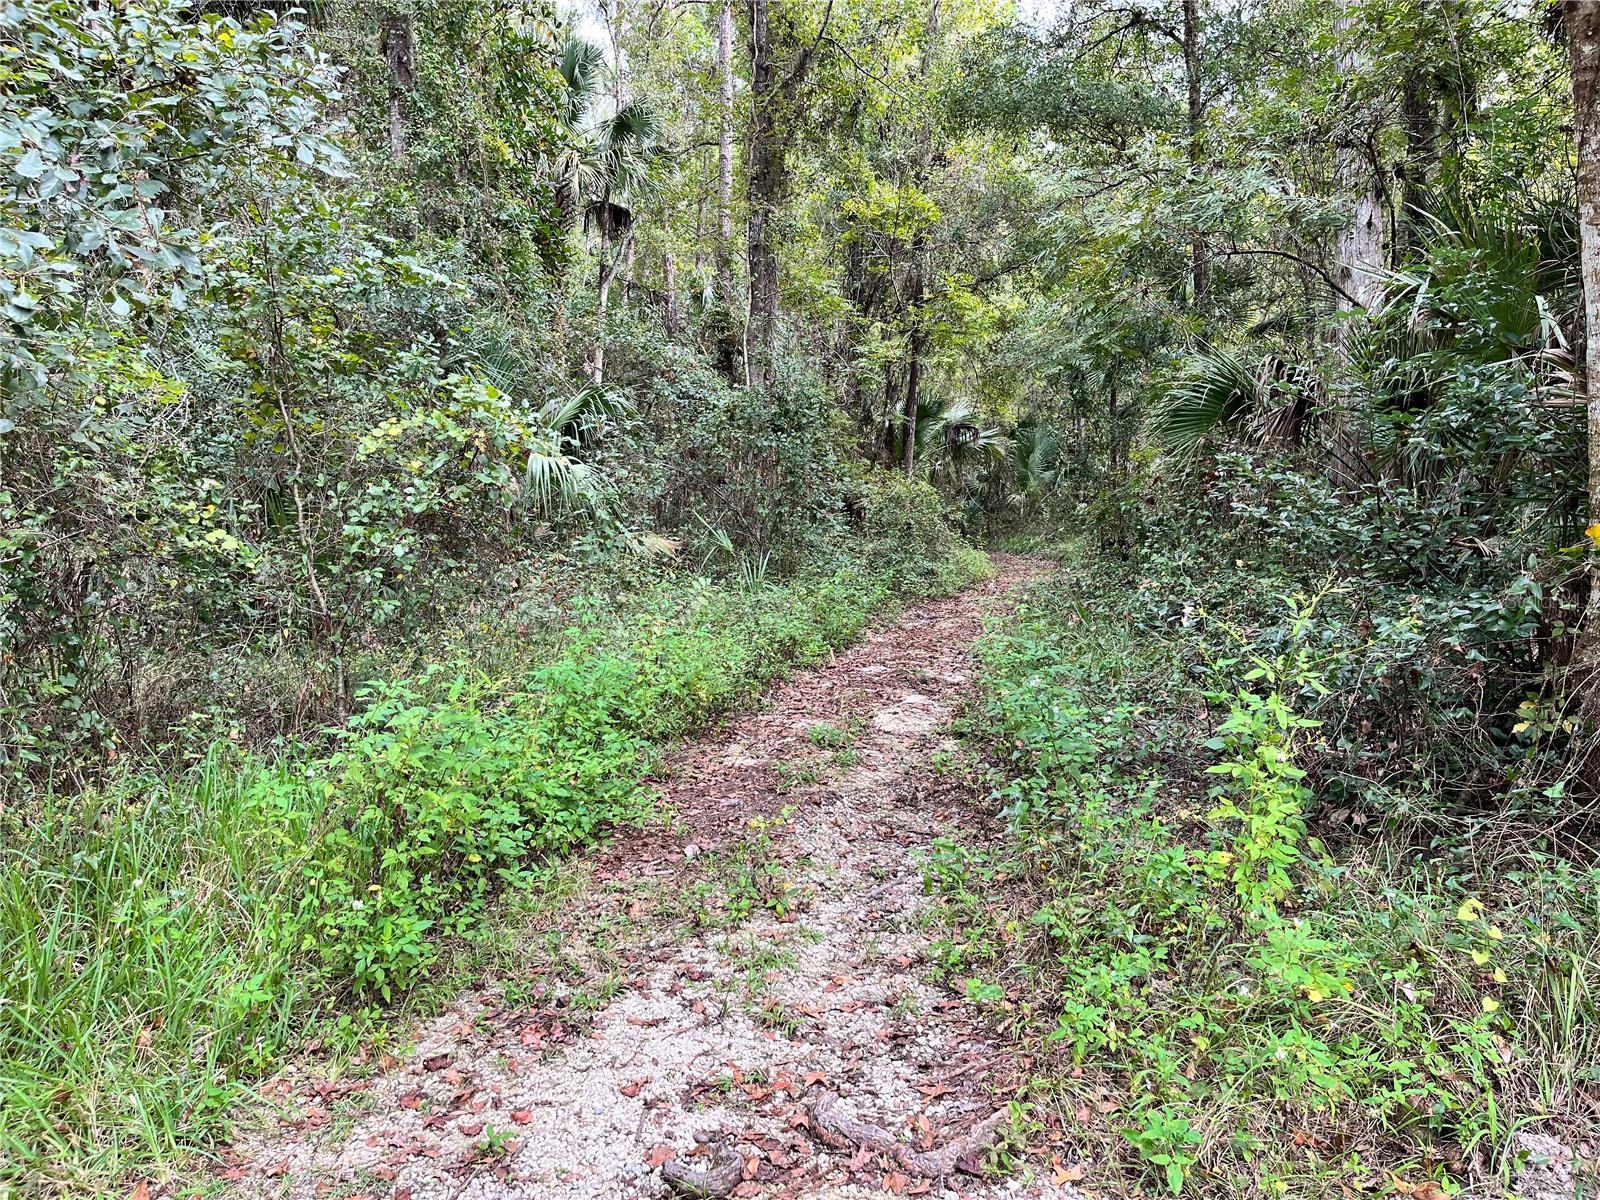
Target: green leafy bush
[1179,927]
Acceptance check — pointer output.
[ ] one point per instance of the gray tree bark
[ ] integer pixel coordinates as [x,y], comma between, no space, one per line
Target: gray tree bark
[396,45]
[1583,41]
[724,252]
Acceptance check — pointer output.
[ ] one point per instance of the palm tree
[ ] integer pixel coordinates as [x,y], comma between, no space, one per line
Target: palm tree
[1035,462]
[601,173]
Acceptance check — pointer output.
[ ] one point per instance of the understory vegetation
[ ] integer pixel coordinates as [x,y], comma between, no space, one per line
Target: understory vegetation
[168,936]
[1245,978]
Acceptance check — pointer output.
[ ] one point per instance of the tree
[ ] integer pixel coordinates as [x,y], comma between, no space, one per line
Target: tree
[1583,41]
[779,62]
[724,244]
[599,176]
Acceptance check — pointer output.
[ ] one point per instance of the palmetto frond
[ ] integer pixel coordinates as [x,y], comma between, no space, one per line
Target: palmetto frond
[1035,457]
[577,418]
[1217,392]
[552,481]
[580,64]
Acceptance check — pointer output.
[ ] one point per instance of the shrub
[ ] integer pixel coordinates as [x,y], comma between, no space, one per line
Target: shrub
[1201,951]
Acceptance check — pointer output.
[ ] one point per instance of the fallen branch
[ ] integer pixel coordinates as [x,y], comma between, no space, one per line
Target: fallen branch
[839,1128]
[725,1172]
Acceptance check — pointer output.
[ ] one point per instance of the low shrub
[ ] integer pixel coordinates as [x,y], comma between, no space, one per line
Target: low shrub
[1226,1001]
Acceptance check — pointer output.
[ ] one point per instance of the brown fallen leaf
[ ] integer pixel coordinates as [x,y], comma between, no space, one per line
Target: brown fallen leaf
[634,1086]
[1066,1174]
[662,1153]
[895,1181]
[141,1191]
[437,1063]
[522,1115]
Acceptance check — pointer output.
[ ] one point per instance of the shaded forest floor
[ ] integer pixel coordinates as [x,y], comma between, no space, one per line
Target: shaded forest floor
[742,990]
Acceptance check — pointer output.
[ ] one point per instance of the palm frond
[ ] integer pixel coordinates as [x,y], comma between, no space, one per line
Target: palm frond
[1216,392]
[553,482]
[580,65]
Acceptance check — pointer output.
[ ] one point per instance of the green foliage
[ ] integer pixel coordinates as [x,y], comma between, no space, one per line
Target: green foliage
[1200,953]
[909,536]
[164,938]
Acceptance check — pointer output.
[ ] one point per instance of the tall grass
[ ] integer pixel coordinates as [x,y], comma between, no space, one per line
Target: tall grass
[140,971]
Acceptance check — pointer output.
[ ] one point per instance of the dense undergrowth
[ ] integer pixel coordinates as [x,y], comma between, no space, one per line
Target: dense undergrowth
[1241,983]
[165,937]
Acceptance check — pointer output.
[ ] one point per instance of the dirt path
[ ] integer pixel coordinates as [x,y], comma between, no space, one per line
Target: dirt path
[729,1033]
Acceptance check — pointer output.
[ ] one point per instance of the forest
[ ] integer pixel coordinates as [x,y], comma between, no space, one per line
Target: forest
[799,598]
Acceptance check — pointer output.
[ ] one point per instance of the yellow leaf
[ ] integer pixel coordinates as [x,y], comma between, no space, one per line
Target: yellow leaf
[1471,909]
[1494,933]
[1594,533]
[1481,957]
[1315,994]
[1499,975]
[1490,1004]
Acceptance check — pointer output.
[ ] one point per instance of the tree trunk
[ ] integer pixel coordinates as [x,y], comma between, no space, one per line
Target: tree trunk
[919,286]
[1583,42]
[669,293]
[1200,264]
[724,260]
[597,370]
[919,341]
[1360,247]
[1583,36]
[772,99]
[1422,148]
[396,46]
[766,189]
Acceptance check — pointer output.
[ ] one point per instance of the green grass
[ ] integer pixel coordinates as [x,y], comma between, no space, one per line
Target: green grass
[140,971]
[1223,999]
[168,938]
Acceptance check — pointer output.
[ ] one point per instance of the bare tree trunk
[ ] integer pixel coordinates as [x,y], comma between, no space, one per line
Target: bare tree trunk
[1200,264]
[919,288]
[669,290]
[772,96]
[766,188]
[1360,246]
[919,345]
[724,258]
[396,45]
[1582,20]
[1583,38]
[597,370]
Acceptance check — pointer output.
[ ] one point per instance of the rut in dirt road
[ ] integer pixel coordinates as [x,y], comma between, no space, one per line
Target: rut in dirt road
[796,1055]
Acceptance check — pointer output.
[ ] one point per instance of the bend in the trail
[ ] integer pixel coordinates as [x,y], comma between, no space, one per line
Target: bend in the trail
[726,1037]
